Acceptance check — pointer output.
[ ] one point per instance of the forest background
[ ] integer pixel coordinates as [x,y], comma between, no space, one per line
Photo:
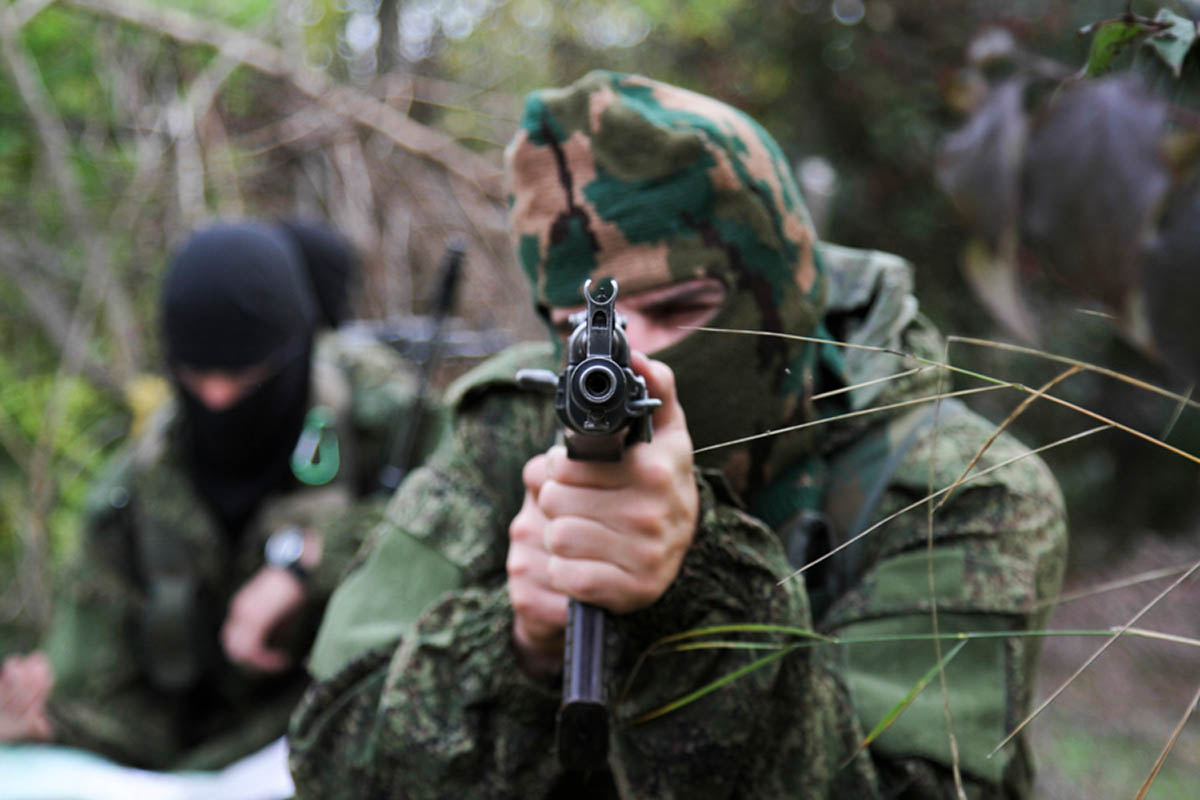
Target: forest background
[126,123]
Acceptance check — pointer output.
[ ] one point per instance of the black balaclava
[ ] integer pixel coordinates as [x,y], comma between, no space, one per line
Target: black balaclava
[237,296]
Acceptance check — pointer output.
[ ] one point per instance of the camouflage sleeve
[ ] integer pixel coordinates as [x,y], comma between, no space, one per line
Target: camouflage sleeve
[341,538]
[101,700]
[448,713]
[445,527]
[993,556]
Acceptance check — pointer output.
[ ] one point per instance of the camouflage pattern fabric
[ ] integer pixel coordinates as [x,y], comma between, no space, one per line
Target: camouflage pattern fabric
[109,695]
[621,176]
[443,709]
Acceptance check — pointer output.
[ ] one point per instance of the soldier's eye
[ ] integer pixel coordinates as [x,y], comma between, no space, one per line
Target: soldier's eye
[691,309]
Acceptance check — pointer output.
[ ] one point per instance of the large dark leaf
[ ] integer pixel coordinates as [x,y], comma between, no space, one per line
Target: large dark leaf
[1171,283]
[979,164]
[1093,178]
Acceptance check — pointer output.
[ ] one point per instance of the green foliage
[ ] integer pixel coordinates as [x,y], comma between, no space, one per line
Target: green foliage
[1113,37]
[71,72]
[90,425]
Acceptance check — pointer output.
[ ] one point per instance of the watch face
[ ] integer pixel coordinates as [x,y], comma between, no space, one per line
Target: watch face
[284,547]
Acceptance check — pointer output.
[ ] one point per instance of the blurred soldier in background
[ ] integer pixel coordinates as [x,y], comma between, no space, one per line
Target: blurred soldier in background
[215,539]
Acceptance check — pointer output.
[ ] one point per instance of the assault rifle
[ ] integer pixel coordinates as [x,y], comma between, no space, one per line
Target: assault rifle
[604,407]
[399,457]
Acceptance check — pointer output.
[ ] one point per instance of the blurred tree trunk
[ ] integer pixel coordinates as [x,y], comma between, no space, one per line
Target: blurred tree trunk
[389,36]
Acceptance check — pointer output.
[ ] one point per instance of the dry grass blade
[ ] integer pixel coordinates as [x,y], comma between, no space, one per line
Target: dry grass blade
[678,644]
[850,415]
[725,644]
[988,379]
[1174,737]
[1176,414]
[1111,586]
[1083,667]
[1099,370]
[1016,412]
[930,510]
[864,384]
[1162,637]
[851,346]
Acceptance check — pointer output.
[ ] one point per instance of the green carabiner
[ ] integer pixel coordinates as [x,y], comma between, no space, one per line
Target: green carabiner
[316,457]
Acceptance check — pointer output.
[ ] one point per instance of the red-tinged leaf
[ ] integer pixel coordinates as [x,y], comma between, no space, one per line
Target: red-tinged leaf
[993,274]
[1093,180]
[979,164]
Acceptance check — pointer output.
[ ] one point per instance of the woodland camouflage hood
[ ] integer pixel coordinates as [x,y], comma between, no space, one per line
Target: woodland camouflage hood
[625,177]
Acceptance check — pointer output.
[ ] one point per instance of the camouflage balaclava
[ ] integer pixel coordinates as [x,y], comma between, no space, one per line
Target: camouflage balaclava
[622,176]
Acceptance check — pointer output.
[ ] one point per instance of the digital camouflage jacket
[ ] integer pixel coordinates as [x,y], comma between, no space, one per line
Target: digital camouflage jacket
[140,676]
[418,692]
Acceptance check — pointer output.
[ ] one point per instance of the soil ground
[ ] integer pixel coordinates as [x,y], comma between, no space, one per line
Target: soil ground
[1101,737]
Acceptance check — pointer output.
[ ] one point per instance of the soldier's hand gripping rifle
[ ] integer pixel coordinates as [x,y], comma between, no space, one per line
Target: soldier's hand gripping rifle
[603,406]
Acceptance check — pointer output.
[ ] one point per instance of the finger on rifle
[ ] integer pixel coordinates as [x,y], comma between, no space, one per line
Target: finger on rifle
[533,474]
[583,539]
[561,469]
[540,612]
[660,384]
[599,583]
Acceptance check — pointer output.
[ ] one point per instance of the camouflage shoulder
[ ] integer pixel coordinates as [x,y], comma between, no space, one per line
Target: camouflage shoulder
[953,442]
[855,275]
[366,376]
[357,353]
[501,370]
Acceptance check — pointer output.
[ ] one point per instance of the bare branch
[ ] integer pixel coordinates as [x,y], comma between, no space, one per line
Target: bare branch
[56,144]
[21,266]
[236,45]
[97,274]
[352,205]
[218,152]
[189,165]
[25,10]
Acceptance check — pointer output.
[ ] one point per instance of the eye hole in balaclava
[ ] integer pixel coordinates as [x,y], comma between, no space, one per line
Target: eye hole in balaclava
[237,297]
[622,176]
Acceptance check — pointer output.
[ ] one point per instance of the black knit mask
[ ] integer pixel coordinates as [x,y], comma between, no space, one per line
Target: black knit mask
[235,297]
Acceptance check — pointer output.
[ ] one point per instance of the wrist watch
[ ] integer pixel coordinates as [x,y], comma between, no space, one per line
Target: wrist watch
[284,548]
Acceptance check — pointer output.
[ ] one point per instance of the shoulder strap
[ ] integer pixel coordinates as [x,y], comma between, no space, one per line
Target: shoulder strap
[858,477]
